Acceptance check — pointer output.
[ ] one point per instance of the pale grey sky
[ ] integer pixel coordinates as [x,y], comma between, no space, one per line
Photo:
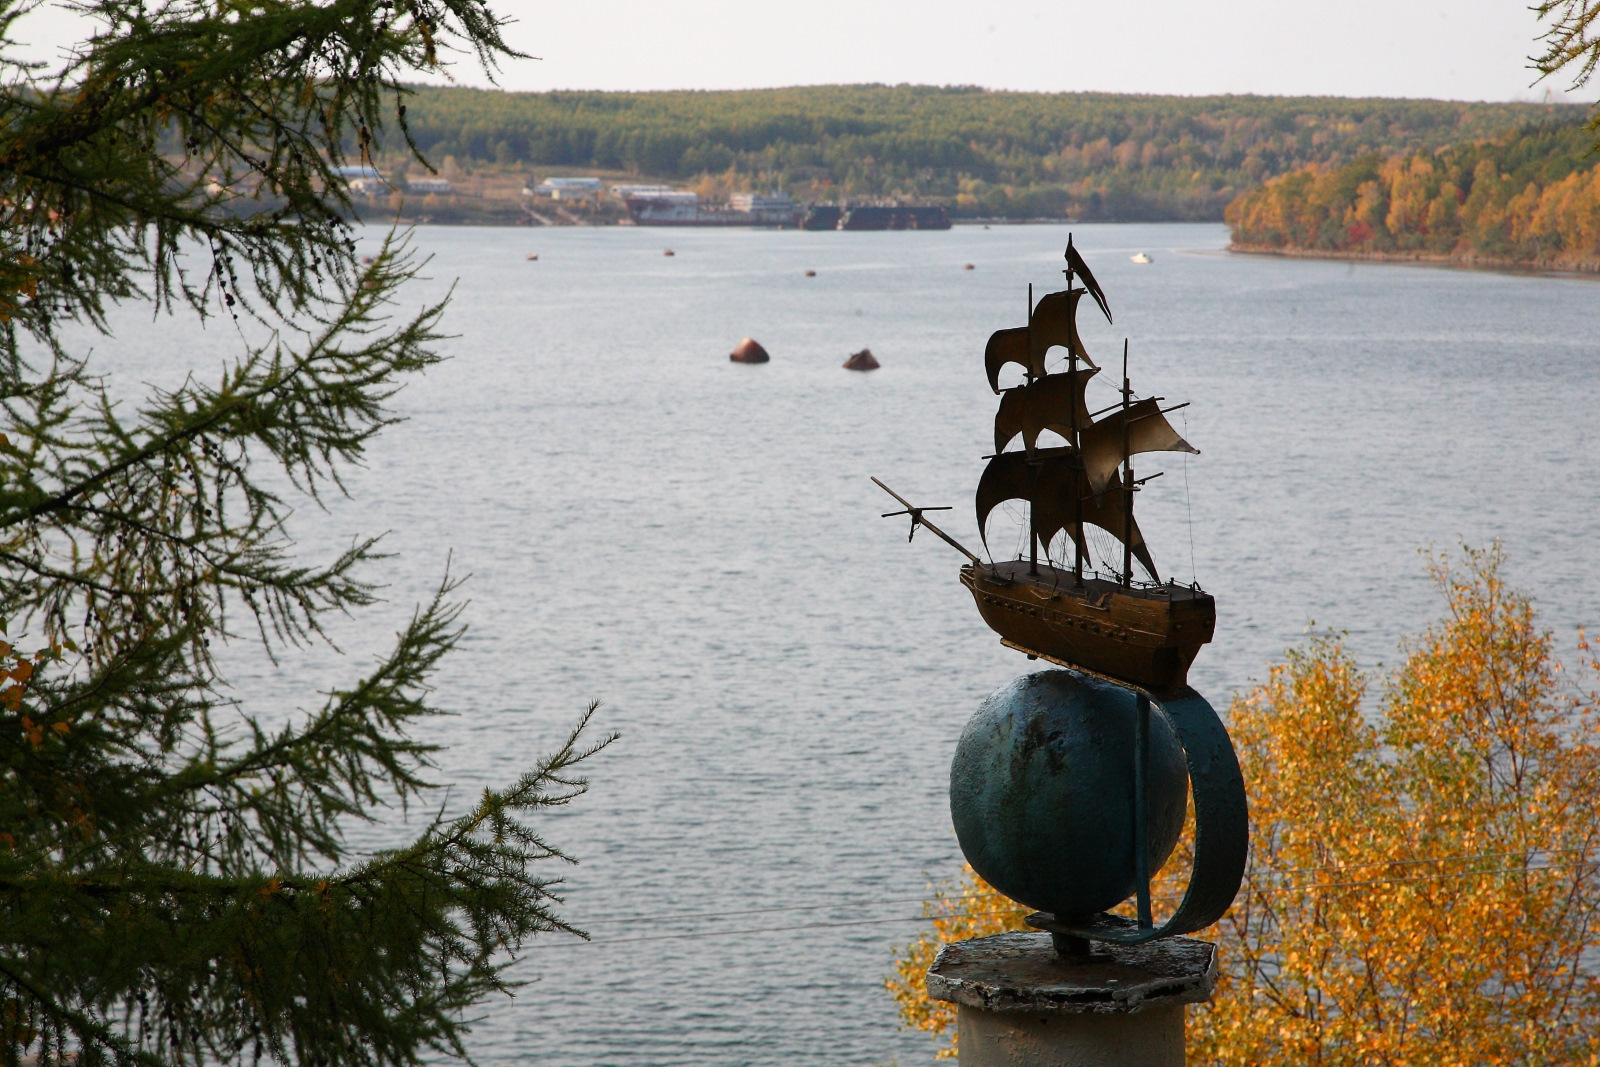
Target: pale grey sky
[1456,49]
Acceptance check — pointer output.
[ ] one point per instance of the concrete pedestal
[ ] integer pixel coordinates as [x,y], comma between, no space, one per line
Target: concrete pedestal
[1020,1004]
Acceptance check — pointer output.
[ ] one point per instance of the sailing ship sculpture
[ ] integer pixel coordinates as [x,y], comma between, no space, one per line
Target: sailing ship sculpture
[1145,631]
[1067,789]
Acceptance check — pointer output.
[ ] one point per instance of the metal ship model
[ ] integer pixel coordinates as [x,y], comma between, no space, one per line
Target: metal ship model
[1142,630]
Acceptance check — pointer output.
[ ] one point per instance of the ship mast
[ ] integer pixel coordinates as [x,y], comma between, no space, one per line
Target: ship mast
[1033,506]
[1127,470]
[1077,453]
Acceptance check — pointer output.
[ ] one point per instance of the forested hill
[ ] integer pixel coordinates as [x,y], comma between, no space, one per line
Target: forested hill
[1530,198]
[1085,155]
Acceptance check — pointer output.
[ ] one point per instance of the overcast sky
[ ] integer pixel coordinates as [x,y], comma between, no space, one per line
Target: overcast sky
[1455,49]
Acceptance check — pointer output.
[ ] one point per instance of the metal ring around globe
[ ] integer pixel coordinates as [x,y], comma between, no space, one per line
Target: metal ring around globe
[1222,827]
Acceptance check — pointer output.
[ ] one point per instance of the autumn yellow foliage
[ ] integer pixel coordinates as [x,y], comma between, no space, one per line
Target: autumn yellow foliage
[1531,198]
[958,912]
[1422,885]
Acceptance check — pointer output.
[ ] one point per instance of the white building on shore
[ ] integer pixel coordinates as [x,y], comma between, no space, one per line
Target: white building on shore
[657,205]
[767,209]
[566,188]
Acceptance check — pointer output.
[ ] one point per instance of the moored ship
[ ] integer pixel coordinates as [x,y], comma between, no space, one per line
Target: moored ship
[677,207]
[876,216]
[895,217]
[1145,631]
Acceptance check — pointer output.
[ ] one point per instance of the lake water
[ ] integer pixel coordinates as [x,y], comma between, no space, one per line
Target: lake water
[697,544]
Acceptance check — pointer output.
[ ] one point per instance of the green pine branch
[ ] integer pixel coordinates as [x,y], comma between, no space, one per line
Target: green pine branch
[175,885]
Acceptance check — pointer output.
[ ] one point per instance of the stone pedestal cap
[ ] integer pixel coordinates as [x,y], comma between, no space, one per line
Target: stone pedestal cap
[1021,972]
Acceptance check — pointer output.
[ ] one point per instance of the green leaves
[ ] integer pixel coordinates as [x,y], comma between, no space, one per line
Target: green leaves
[1571,39]
[174,883]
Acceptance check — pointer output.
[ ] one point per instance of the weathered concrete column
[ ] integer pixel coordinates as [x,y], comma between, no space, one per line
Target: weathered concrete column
[1021,1004]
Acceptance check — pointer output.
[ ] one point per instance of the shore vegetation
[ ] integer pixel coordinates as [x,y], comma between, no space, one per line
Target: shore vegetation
[176,886]
[1090,156]
[1525,198]
[1528,199]
[1423,882]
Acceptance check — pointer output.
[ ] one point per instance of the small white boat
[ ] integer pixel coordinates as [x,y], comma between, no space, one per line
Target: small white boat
[1140,257]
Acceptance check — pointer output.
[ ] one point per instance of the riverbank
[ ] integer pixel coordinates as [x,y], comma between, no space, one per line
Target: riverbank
[1464,261]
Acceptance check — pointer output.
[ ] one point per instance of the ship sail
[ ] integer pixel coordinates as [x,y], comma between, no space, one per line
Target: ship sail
[1009,346]
[1055,599]
[1053,322]
[1050,481]
[1076,265]
[1148,431]
[1044,404]
[1110,510]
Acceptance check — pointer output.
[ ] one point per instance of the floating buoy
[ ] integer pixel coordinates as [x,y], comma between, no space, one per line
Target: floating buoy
[748,351]
[669,252]
[967,266]
[862,360]
[1140,257]
[811,274]
[532,256]
[366,259]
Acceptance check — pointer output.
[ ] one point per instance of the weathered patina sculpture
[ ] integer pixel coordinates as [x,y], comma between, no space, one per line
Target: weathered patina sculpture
[1068,787]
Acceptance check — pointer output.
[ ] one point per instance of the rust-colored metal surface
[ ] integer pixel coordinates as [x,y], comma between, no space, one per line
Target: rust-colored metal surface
[1145,635]
[1054,830]
[747,351]
[1045,404]
[1142,632]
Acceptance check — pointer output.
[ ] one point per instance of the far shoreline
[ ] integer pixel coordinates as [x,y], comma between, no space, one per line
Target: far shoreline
[1540,268]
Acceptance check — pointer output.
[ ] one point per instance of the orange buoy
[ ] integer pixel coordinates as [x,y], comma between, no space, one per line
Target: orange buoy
[748,351]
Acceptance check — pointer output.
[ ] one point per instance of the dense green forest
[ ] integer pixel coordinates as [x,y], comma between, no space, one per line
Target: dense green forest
[1529,197]
[983,153]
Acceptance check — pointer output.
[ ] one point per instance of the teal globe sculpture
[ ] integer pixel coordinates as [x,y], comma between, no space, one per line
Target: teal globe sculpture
[1042,792]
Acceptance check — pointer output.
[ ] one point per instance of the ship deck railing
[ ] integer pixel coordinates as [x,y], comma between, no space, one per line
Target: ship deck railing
[1169,586]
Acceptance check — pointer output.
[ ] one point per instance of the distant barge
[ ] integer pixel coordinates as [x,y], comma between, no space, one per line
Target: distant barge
[876,217]
[672,207]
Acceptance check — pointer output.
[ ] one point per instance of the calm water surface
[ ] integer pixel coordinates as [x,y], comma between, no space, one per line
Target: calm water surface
[697,544]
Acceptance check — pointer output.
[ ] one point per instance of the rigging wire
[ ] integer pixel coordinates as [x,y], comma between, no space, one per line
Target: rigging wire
[1459,876]
[768,911]
[1247,890]
[1194,572]
[837,904]
[1529,852]
[763,930]
[1015,513]
[1107,549]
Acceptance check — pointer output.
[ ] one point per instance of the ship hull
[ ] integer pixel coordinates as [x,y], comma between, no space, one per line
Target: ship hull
[895,217]
[1148,636]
